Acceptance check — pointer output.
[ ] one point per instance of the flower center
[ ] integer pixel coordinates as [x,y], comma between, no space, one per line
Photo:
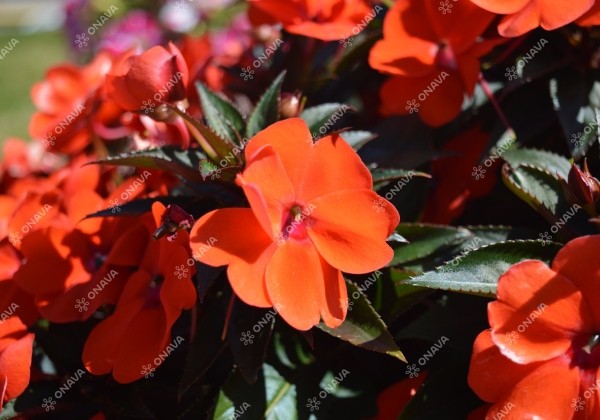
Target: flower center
[445,56]
[96,261]
[295,222]
[586,352]
[153,292]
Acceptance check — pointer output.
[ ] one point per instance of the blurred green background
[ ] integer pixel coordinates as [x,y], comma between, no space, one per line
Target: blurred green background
[37,26]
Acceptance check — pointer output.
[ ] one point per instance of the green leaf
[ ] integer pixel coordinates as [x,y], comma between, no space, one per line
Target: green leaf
[357,138]
[551,162]
[206,344]
[171,159]
[267,108]
[249,336]
[384,174]
[538,188]
[316,117]
[477,272]
[215,146]
[222,116]
[272,395]
[425,239]
[363,327]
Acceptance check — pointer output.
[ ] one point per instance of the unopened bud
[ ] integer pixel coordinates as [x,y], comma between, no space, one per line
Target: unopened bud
[290,105]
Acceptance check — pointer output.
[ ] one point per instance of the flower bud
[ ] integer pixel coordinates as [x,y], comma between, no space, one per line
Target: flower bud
[582,186]
[291,105]
[173,220]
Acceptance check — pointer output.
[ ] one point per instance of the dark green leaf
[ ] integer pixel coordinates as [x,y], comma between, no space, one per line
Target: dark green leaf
[538,188]
[249,335]
[356,138]
[272,397]
[171,159]
[425,240]
[317,116]
[222,116]
[363,327]
[267,108]
[551,162]
[477,272]
[215,146]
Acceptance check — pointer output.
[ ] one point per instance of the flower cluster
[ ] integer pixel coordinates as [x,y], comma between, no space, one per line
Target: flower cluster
[209,206]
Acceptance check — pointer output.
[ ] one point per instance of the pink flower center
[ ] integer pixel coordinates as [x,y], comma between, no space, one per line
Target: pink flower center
[153,292]
[295,222]
[445,56]
[586,352]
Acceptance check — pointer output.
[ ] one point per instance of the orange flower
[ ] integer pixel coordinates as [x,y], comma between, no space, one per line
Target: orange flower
[545,330]
[393,400]
[152,300]
[591,17]
[328,20]
[313,214]
[433,57]
[65,101]
[525,15]
[145,81]
[455,183]
[16,347]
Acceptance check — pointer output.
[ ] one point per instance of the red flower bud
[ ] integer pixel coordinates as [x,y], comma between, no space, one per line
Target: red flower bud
[175,218]
[582,186]
[290,105]
[145,81]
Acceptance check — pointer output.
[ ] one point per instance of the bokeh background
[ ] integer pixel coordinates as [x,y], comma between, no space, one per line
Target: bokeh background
[37,25]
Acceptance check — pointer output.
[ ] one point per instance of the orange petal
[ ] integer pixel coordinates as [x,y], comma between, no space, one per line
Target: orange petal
[435,105]
[491,374]
[147,336]
[578,261]
[292,277]
[272,189]
[304,161]
[543,309]
[15,363]
[234,237]
[532,398]
[350,228]
[333,296]
[502,7]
